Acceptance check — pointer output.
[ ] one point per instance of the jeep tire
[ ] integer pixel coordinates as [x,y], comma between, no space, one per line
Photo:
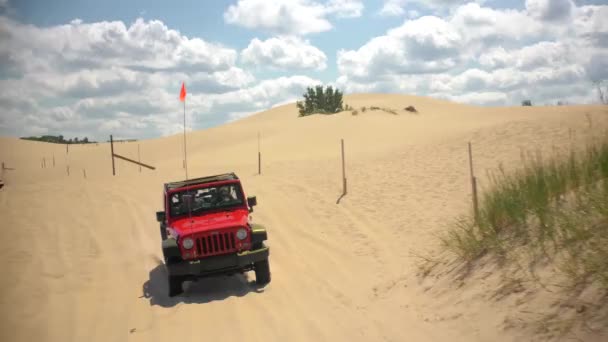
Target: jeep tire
[262,272]
[175,286]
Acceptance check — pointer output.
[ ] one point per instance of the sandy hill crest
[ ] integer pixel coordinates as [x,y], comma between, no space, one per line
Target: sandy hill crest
[81,261]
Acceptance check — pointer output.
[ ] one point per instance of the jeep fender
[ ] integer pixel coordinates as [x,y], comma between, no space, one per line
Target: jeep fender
[258,234]
[171,249]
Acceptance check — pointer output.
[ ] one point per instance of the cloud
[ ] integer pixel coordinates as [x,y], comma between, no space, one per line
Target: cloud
[484,26]
[590,24]
[263,95]
[479,98]
[392,8]
[547,52]
[290,17]
[345,8]
[597,67]
[550,10]
[99,78]
[284,53]
[424,45]
[143,45]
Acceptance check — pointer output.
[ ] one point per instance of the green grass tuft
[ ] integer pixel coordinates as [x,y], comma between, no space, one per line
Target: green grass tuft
[558,205]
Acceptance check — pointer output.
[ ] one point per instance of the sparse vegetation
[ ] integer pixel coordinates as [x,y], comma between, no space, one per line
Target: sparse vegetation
[373,108]
[59,139]
[318,100]
[557,208]
[526,103]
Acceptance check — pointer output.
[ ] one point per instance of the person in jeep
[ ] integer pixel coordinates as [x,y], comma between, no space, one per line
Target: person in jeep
[225,196]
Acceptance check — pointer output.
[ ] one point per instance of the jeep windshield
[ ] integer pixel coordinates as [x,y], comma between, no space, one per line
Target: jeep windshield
[221,197]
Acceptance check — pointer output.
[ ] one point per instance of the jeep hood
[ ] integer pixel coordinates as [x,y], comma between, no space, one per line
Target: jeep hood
[211,221]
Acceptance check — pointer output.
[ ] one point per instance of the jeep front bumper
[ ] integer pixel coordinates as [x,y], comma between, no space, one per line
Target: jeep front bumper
[221,264]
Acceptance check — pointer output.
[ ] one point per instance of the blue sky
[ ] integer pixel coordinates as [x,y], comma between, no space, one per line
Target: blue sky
[93,68]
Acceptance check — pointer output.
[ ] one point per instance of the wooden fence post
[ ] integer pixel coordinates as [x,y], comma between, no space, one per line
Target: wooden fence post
[473,185]
[112,151]
[68,169]
[259,156]
[84,173]
[343,169]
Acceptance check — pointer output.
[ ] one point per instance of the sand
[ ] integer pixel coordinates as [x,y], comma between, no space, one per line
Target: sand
[81,256]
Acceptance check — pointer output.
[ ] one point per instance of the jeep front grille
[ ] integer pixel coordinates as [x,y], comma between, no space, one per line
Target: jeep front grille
[219,243]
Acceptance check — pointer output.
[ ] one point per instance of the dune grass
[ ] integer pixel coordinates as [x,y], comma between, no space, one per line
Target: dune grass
[557,207]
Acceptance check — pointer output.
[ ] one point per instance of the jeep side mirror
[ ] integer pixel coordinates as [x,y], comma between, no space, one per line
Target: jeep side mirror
[160,216]
[251,202]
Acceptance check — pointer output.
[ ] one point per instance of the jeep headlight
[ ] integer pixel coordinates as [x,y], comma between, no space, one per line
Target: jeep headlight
[188,243]
[241,234]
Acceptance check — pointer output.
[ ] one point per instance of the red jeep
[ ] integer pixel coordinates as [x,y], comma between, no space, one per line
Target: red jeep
[206,231]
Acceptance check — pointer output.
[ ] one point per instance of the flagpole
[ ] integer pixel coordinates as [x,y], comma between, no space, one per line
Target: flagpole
[185,153]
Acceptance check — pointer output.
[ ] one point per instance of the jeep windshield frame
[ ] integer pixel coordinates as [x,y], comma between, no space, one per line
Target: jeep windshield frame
[206,198]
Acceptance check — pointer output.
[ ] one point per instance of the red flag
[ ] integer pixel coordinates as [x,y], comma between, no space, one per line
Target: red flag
[182,93]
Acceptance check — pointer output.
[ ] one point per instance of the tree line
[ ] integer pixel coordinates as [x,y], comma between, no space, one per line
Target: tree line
[59,139]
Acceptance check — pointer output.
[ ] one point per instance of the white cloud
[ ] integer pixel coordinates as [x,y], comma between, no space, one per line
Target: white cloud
[597,67]
[290,17]
[487,26]
[262,95]
[590,24]
[479,98]
[284,53]
[425,45]
[91,79]
[77,45]
[345,8]
[547,52]
[529,57]
[413,14]
[550,10]
[392,8]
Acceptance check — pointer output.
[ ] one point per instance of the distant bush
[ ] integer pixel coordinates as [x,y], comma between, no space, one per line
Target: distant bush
[411,109]
[354,112]
[526,103]
[363,109]
[389,110]
[318,100]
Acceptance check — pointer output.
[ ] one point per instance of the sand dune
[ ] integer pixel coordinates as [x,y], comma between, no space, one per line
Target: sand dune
[81,255]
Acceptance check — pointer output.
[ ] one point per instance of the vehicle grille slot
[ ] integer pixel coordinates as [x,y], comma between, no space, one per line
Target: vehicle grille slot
[215,244]
[221,238]
[210,244]
[204,245]
[198,246]
[232,244]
